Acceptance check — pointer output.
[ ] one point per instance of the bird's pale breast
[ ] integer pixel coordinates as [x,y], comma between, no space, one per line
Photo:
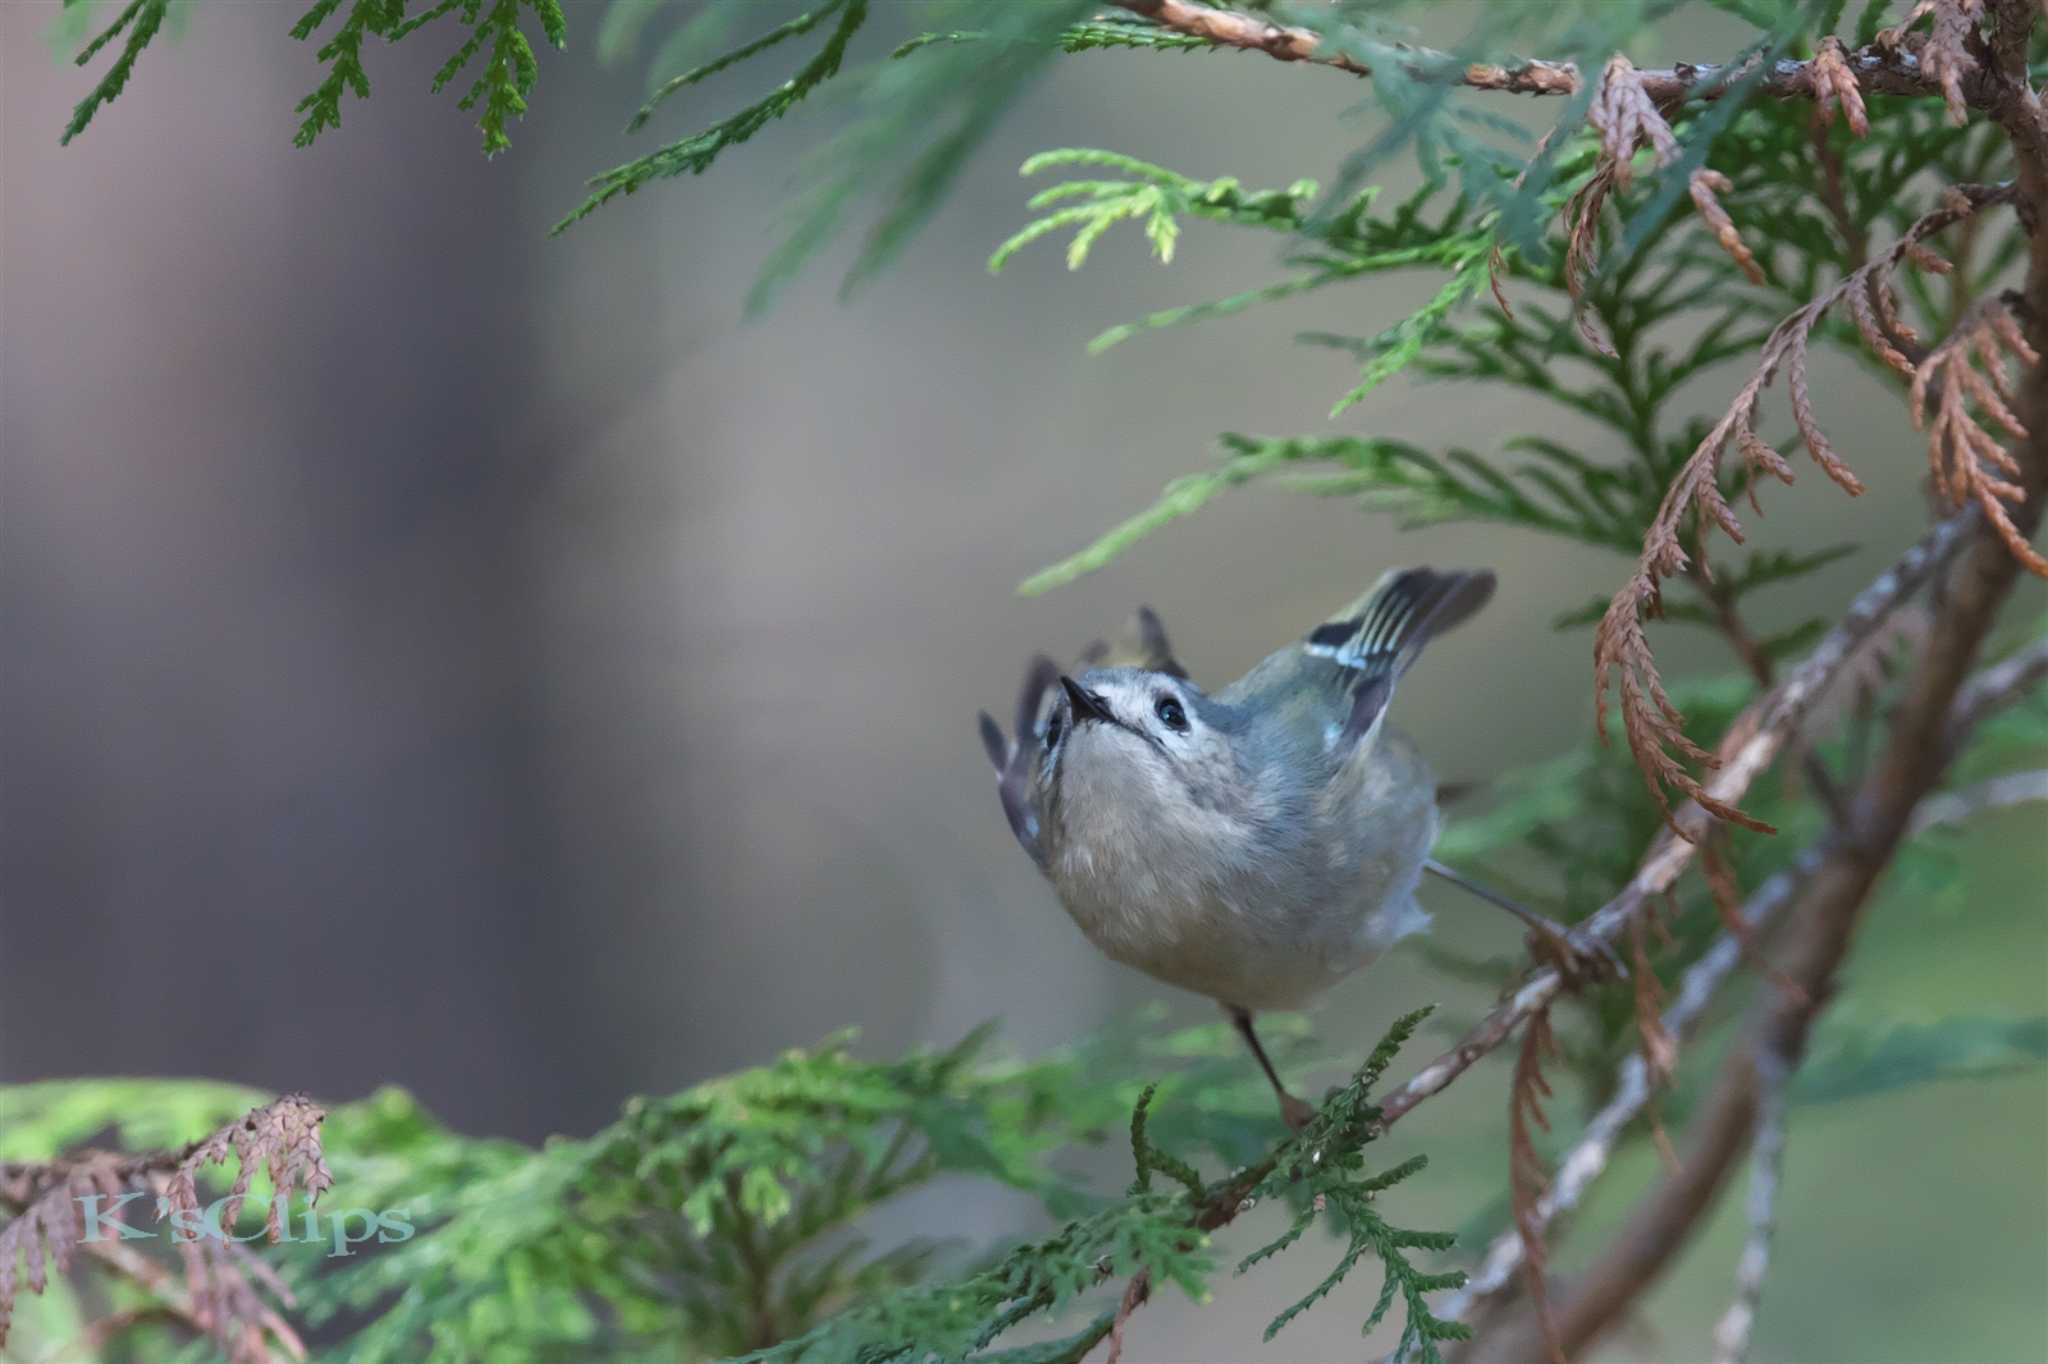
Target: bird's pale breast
[1210,902]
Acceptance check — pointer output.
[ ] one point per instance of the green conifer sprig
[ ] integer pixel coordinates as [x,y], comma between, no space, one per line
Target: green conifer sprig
[703,1217]
[1336,246]
[1563,495]
[914,122]
[794,28]
[695,154]
[720,1219]
[139,20]
[1669,304]
[494,27]
[1165,1234]
[1094,36]
[1147,1158]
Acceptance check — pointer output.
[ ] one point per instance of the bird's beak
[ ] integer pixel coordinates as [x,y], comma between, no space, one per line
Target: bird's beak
[1086,707]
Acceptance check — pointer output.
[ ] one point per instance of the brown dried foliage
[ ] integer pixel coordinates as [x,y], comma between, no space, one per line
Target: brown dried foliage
[1944,50]
[1622,658]
[1528,1176]
[1628,121]
[1726,892]
[1659,1048]
[1834,86]
[220,1297]
[48,1216]
[1961,385]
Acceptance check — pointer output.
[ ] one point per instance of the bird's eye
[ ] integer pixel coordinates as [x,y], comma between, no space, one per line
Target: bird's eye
[1170,714]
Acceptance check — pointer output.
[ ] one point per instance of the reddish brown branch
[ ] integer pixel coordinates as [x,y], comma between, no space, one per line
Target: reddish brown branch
[1254,33]
[1876,69]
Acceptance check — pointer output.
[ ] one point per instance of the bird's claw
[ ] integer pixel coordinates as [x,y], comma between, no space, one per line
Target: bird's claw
[1579,956]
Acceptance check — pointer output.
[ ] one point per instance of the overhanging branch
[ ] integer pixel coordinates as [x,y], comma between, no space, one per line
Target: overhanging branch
[1876,69]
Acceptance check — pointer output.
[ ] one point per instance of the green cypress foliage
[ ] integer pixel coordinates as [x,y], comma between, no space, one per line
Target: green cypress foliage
[1567,268]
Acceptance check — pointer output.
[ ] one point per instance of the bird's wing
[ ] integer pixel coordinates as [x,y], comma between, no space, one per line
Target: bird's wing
[1348,666]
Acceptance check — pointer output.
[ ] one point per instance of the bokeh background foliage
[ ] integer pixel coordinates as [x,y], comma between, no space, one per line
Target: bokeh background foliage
[746,1211]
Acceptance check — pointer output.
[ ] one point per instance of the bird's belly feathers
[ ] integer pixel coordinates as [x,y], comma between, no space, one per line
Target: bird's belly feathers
[1255,942]
[1245,969]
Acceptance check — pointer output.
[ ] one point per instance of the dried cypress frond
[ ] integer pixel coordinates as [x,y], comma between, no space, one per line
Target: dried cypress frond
[221,1297]
[1623,660]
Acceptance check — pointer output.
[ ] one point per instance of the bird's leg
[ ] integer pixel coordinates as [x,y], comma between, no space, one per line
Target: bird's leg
[1576,953]
[1294,1112]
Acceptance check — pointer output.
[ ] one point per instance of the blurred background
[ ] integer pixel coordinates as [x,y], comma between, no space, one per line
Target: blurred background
[441,655]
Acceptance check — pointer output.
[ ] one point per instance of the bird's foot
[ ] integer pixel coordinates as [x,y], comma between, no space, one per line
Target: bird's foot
[1296,1113]
[1579,956]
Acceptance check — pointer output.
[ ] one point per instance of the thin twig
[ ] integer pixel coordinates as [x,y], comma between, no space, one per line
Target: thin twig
[1767,1156]
[1526,1175]
[1994,793]
[1254,33]
[1875,69]
[1998,686]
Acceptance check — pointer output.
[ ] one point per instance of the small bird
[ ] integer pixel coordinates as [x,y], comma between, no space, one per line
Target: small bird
[1256,846]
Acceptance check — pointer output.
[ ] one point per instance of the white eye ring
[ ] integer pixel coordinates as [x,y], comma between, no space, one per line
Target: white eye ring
[1170,714]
